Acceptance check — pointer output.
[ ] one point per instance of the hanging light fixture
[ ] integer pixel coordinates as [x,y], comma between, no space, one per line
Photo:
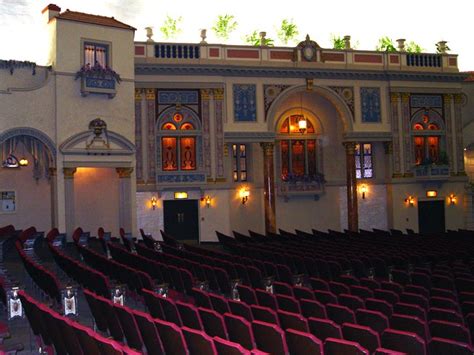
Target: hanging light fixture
[302,124]
[23,160]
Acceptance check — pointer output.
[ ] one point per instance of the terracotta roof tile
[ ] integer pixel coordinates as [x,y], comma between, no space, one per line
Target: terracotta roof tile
[94,19]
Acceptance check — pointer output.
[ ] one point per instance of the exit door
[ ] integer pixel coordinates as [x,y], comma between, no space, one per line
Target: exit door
[181,219]
[431,217]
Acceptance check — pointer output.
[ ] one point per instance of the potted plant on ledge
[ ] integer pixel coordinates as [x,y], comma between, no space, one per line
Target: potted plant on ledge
[98,79]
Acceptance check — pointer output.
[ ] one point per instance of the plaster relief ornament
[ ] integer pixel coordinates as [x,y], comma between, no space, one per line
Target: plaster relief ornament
[99,137]
[308,49]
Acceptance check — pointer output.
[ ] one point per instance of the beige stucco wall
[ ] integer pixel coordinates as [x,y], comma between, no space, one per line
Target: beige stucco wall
[33,198]
[96,201]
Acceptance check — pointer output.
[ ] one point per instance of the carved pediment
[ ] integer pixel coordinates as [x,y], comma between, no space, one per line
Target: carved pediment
[88,143]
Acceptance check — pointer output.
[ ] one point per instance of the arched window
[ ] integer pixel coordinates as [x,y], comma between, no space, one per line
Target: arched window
[299,149]
[428,135]
[178,138]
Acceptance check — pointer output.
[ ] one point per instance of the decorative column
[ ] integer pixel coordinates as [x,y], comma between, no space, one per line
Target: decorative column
[269,187]
[407,141]
[151,120]
[396,144]
[54,192]
[352,212]
[219,130]
[206,130]
[138,135]
[125,198]
[69,199]
[448,120]
[459,100]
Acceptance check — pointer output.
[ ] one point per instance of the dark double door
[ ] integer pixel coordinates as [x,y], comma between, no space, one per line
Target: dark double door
[431,217]
[181,219]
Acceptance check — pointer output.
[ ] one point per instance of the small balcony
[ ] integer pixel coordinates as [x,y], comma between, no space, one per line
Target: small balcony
[431,172]
[98,80]
[307,185]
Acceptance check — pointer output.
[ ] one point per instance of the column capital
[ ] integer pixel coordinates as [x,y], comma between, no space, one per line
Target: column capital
[267,147]
[447,98]
[124,173]
[459,99]
[218,93]
[388,147]
[350,147]
[150,94]
[395,96]
[405,97]
[69,173]
[138,94]
[205,94]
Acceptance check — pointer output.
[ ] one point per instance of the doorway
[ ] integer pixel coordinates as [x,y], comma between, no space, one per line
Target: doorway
[431,217]
[181,219]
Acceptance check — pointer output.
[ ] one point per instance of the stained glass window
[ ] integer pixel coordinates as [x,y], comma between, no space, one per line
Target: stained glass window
[239,162]
[298,149]
[178,145]
[169,153]
[427,135]
[363,161]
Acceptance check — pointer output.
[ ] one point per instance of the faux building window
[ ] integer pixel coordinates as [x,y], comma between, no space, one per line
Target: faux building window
[96,54]
[178,144]
[239,162]
[299,150]
[364,161]
[428,138]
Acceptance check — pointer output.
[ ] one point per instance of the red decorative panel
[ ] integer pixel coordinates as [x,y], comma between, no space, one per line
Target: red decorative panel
[453,62]
[394,59]
[188,153]
[243,53]
[288,55]
[368,58]
[214,52]
[139,50]
[297,158]
[169,150]
[333,57]
[285,158]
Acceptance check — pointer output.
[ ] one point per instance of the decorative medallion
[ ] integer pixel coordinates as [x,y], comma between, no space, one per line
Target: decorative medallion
[270,93]
[308,49]
[346,93]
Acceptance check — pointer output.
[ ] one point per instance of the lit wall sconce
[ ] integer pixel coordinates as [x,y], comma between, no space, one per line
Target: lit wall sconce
[452,199]
[23,161]
[154,202]
[431,193]
[363,190]
[206,200]
[302,124]
[244,195]
[410,201]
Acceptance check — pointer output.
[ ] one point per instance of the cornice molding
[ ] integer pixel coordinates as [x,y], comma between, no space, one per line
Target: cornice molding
[179,70]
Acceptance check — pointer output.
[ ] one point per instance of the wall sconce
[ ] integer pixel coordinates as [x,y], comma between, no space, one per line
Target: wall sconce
[206,200]
[23,161]
[431,193]
[410,201]
[154,202]
[452,199]
[363,190]
[302,124]
[244,195]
